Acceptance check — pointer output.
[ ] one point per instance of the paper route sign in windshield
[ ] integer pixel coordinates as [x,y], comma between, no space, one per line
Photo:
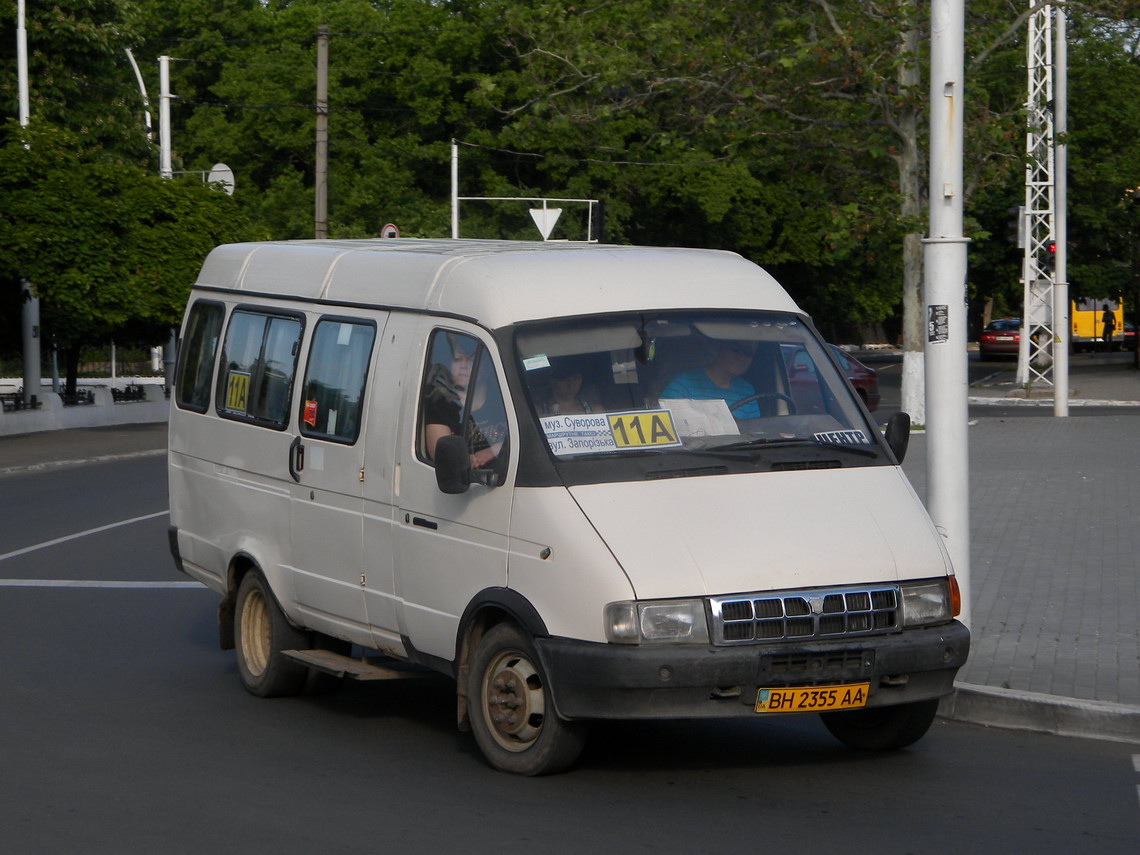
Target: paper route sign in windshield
[591,433]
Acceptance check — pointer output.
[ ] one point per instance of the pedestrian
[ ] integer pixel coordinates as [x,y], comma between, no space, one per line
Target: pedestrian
[1108,326]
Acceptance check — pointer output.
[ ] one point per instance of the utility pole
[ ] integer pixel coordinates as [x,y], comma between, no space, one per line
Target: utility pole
[1062,327]
[29,302]
[321,172]
[944,256]
[165,170]
[1035,356]
[164,167]
[454,190]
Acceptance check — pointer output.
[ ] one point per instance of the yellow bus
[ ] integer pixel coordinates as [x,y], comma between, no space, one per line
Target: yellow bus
[1088,327]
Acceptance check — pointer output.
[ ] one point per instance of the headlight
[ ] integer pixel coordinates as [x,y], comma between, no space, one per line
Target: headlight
[925,602]
[662,622]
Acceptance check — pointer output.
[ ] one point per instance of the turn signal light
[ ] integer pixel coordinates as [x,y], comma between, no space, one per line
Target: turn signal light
[955,598]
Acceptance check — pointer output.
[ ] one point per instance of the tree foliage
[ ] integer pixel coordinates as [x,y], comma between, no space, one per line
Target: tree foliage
[110,249]
[791,132]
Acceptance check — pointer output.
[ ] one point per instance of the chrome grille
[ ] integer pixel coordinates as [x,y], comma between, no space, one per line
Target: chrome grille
[796,615]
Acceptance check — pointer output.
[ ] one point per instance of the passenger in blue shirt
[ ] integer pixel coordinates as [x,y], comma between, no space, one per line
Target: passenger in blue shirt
[721,378]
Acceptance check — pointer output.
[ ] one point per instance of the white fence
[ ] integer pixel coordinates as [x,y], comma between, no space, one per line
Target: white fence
[104,410]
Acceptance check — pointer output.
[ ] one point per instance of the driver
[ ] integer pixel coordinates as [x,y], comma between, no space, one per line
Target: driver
[721,378]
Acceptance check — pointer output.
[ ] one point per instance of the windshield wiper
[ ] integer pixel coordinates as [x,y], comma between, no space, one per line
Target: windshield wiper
[624,453]
[799,441]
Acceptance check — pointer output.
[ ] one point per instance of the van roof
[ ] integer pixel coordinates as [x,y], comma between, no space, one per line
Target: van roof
[494,282]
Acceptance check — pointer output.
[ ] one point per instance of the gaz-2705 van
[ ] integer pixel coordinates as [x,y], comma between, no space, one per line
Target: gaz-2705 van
[574,478]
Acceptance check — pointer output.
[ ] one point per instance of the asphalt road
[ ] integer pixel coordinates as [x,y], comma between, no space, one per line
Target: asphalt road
[123,729]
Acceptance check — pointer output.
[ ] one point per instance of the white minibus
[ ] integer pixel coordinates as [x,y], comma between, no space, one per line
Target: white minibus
[575,478]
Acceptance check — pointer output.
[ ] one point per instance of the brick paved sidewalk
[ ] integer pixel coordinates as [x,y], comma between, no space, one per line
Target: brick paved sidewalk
[1055,553]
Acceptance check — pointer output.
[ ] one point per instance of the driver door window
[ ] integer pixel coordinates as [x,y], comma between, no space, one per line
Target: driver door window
[462,396]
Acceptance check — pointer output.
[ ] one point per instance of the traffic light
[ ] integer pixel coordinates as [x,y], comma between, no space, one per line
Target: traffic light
[1050,256]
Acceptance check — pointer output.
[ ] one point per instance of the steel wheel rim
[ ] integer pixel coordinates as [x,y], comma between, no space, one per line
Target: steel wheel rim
[513,701]
[255,635]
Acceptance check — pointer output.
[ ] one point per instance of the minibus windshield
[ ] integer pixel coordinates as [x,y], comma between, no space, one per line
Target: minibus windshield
[703,384]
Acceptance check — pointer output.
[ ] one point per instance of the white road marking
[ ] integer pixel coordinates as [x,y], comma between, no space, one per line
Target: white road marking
[92,583]
[59,540]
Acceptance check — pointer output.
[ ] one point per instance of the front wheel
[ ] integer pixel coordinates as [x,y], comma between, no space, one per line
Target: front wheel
[513,716]
[882,728]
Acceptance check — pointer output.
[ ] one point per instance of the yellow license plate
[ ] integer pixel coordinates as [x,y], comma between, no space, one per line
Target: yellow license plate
[812,698]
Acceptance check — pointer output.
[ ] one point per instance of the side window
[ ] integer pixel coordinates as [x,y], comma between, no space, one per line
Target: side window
[259,359]
[196,356]
[461,395]
[333,392]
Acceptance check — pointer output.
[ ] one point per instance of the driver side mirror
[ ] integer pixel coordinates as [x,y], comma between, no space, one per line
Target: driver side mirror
[898,434]
[452,465]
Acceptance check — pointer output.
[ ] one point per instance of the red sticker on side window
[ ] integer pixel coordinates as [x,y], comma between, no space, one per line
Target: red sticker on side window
[310,417]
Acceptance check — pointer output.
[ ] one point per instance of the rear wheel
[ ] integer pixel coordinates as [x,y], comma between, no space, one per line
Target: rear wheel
[261,633]
[882,728]
[513,716]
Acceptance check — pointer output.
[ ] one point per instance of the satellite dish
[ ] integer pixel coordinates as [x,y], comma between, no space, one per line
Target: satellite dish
[222,174]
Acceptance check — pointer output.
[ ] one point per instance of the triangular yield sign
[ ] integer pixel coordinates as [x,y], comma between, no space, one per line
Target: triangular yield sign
[545,218]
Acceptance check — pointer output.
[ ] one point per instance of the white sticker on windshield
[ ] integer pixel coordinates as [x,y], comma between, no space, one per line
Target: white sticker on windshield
[533,363]
[843,437]
[578,434]
[591,433]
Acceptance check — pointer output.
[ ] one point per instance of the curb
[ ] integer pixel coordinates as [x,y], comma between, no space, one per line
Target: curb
[1018,710]
[1048,402]
[64,464]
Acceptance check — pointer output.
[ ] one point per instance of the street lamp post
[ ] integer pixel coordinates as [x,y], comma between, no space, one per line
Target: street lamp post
[30,303]
[947,413]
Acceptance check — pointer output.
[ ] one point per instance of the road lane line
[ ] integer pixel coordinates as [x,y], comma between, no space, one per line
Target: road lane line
[91,583]
[59,540]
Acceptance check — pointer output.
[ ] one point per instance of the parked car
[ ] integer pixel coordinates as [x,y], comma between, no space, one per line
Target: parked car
[864,378]
[1001,338]
[805,384]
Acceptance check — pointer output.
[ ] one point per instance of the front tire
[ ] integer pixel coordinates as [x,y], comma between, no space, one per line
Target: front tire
[261,633]
[513,716]
[882,728]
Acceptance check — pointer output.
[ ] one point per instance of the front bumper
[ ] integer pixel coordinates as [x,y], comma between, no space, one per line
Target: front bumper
[615,681]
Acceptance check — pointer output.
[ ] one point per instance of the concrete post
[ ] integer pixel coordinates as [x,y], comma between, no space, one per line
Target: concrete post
[947,380]
[1062,326]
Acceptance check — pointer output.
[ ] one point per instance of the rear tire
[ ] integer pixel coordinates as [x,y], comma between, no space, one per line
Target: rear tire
[882,728]
[512,713]
[261,633]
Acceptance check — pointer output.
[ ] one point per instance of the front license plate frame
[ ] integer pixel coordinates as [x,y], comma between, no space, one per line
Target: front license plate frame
[800,699]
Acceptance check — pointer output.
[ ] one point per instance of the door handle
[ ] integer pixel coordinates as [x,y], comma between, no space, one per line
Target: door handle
[296,458]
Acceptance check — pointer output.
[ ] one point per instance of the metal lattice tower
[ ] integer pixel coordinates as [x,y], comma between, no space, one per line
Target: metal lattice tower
[1035,363]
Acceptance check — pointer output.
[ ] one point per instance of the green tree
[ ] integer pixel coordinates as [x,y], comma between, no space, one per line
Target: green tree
[399,74]
[110,250]
[78,71]
[793,133]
